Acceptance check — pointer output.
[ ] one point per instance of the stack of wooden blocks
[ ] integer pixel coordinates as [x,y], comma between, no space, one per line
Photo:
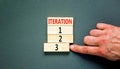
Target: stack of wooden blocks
[59,34]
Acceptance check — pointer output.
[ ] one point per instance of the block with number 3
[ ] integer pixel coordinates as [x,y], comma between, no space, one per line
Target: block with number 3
[56,47]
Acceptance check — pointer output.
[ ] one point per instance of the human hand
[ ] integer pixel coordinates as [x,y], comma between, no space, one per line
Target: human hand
[103,41]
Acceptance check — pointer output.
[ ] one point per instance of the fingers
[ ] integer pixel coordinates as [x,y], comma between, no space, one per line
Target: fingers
[85,50]
[94,38]
[91,40]
[96,32]
[100,29]
[104,26]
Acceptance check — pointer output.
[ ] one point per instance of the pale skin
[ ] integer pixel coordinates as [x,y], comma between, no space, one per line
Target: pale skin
[104,41]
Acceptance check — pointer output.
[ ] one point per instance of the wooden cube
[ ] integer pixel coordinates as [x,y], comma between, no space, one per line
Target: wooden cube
[60,38]
[60,29]
[56,47]
[60,20]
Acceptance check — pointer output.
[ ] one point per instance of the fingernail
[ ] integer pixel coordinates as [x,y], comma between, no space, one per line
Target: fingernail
[72,46]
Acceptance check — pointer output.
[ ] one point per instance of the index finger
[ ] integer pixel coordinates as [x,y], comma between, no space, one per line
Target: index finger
[87,50]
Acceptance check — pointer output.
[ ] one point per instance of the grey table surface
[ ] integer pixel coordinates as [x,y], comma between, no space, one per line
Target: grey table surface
[23,30]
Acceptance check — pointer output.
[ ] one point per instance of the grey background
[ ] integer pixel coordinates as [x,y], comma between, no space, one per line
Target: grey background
[23,31]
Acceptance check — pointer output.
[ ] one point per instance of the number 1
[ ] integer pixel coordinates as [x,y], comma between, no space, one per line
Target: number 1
[60,30]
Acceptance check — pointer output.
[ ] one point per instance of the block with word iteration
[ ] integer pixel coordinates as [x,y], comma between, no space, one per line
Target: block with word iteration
[59,34]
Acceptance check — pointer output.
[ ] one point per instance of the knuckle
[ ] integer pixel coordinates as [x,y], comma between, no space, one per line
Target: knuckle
[102,52]
[103,41]
[85,49]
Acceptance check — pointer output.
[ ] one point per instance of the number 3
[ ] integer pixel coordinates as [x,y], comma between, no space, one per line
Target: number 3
[56,48]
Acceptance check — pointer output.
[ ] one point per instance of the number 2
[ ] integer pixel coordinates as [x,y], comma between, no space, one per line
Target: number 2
[60,40]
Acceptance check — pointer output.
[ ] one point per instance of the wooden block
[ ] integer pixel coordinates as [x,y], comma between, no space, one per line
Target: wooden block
[60,30]
[60,38]
[60,20]
[56,47]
